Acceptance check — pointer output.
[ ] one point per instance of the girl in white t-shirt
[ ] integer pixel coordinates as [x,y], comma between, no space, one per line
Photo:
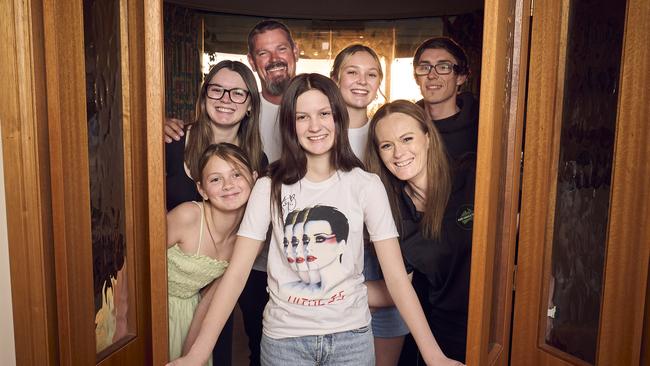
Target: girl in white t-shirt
[317,199]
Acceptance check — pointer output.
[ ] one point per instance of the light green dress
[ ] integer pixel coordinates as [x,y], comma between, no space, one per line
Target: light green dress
[187,274]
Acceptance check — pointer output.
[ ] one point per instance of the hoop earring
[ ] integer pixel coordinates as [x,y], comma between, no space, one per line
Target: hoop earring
[248,113]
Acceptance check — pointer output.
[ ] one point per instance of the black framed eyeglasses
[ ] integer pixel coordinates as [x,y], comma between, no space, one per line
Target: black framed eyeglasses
[442,68]
[237,95]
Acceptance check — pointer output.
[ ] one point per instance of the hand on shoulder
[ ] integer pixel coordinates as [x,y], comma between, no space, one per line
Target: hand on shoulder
[173,129]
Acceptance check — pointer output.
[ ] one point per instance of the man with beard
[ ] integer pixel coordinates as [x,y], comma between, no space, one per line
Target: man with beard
[272,53]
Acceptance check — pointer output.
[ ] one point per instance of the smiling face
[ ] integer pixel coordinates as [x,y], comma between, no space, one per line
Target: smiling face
[359,79]
[315,127]
[322,247]
[274,60]
[439,90]
[403,147]
[224,112]
[226,186]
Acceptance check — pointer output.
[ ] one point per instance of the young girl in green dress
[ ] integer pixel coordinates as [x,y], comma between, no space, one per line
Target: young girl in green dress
[201,235]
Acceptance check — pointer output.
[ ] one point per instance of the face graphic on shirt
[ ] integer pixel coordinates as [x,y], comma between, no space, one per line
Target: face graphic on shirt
[300,262]
[314,239]
[288,247]
[321,244]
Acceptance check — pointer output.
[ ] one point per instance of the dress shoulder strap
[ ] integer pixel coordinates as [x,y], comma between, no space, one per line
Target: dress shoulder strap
[202,209]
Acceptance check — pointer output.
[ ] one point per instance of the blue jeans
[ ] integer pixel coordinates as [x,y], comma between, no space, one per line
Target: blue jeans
[351,348]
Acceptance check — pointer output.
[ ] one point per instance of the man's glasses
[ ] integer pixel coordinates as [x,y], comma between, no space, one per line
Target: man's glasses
[237,95]
[442,68]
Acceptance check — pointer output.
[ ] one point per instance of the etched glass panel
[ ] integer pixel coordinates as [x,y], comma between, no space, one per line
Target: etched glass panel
[106,169]
[593,56]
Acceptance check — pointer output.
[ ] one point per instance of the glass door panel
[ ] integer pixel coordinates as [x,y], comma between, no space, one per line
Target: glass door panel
[586,151]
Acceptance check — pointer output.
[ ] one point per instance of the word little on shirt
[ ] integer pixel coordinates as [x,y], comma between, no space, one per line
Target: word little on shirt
[317,302]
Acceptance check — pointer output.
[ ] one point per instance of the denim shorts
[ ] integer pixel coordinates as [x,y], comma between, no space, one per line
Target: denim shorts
[351,348]
[386,322]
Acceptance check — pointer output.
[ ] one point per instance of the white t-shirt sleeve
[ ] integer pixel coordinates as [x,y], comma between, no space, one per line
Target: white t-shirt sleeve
[257,217]
[376,209]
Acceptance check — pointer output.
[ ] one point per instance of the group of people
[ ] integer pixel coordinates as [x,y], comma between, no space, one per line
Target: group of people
[338,235]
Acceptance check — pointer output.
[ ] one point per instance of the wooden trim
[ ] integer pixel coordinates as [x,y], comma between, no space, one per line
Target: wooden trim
[628,245]
[645,343]
[155,99]
[507,229]
[64,58]
[128,126]
[23,119]
[543,120]
[488,162]
[497,184]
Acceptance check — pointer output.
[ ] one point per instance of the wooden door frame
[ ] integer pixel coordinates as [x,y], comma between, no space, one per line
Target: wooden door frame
[628,247]
[155,113]
[39,175]
[503,81]
[23,119]
[625,279]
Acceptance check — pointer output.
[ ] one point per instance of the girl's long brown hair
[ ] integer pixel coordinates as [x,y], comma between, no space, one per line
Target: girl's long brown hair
[292,165]
[438,174]
[201,135]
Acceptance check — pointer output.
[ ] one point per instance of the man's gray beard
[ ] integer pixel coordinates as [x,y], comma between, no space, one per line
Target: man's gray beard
[277,87]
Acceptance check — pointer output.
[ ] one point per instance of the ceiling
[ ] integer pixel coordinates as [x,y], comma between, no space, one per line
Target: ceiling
[336,9]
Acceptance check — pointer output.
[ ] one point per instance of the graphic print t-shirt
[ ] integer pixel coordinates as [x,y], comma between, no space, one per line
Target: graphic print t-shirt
[316,257]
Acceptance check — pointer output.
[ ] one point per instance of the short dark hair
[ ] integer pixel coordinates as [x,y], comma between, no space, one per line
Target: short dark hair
[449,45]
[337,220]
[267,25]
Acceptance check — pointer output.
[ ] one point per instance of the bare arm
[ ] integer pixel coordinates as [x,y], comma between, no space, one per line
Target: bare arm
[199,314]
[173,129]
[181,222]
[223,301]
[378,295]
[401,290]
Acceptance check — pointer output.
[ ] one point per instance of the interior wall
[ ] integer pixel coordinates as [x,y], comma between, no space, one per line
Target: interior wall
[7,344]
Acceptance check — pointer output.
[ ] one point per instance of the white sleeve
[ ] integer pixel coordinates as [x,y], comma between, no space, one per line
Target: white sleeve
[376,210]
[257,217]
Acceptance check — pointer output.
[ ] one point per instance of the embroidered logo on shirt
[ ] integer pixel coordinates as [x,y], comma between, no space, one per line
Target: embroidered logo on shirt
[465,217]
